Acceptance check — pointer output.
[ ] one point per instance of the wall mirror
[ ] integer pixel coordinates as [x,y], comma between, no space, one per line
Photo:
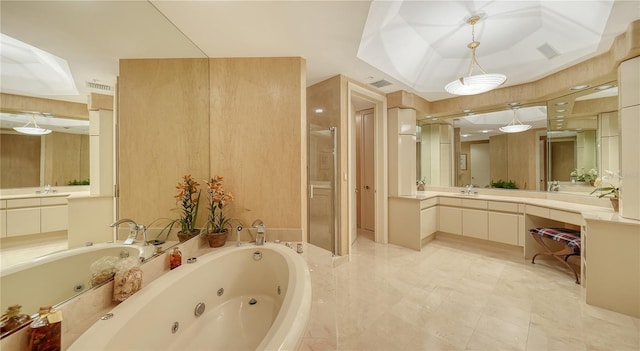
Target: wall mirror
[572,140]
[60,158]
[92,36]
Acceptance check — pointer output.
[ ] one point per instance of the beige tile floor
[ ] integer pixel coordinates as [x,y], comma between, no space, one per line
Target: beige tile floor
[455,296]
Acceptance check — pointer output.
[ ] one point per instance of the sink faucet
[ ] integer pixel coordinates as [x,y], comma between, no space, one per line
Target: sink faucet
[554,185]
[133,230]
[260,234]
[469,188]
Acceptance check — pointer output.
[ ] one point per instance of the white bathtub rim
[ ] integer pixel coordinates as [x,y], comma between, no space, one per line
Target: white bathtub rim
[288,329]
[65,253]
[101,331]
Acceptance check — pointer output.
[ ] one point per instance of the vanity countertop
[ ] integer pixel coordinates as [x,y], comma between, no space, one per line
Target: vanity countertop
[590,212]
[33,195]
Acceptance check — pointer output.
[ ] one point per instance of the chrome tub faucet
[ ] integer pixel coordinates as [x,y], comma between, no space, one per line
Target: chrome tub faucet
[134,228]
[260,233]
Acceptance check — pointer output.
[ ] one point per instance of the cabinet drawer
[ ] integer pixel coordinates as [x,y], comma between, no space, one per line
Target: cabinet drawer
[18,203]
[428,203]
[3,223]
[564,216]
[503,206]
[3,204]
[58,200]
[538,211]
[428,222]
[450,201]
[471,203]
[23,221]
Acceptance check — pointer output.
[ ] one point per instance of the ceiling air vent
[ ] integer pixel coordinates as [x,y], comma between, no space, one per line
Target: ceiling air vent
[99,86]
[548,51]
[380,83]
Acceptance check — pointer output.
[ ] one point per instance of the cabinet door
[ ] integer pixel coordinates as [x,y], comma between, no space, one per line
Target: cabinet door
[3,223]
[428,222]
[450,220]
[54,218]
[503,227]
[474,224]
[23,221]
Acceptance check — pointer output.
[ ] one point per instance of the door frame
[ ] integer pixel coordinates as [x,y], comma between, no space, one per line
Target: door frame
[381,162]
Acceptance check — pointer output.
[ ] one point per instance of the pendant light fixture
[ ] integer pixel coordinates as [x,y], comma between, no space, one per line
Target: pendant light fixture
[479,83]
[35,130]
[515,126]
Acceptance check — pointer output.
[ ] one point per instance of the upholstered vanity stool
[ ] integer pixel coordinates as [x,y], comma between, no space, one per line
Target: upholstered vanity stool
[568,237]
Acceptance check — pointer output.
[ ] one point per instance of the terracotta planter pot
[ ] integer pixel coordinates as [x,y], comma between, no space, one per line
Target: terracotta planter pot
[186,236]
[217,239]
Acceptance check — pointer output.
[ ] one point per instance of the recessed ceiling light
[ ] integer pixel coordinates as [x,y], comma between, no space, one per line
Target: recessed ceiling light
[466,110]
[486,131]
[434,118]
[561,111]
[562,103]
[580,87]
[515,103]
[559,117]
[604,87]
[318,110]
[428,117]
[465,135]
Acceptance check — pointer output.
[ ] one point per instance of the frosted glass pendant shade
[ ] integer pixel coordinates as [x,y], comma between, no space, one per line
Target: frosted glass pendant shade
[477,84]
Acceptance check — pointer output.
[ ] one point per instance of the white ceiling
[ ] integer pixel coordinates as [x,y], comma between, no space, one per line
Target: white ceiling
[418,46]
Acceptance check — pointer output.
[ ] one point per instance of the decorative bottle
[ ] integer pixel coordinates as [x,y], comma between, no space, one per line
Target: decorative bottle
[12,319]
[175,258]
[45,332]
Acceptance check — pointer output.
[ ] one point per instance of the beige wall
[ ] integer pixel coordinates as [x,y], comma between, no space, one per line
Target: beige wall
[163,127]
[20,162]
[512,158]
[238,118]
[258,137]
[66,158]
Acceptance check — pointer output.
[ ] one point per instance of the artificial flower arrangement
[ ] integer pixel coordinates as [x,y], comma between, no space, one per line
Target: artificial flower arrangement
[604,186]
[217,222]
[188,201]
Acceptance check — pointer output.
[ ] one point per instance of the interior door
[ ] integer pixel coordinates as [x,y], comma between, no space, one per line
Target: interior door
[367,191]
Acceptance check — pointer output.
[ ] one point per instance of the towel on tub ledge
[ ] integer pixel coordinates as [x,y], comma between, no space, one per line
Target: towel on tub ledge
[127,280]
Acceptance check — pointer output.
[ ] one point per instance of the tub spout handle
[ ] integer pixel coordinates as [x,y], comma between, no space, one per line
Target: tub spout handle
[260,231]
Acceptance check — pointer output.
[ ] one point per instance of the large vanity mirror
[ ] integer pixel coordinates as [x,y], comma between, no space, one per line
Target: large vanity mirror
[59,158]
[91,37]
[570,140]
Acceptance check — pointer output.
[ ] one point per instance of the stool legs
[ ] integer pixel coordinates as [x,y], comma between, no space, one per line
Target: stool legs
[565,252]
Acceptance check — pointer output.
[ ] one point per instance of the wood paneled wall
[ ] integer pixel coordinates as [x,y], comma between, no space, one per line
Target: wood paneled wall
[258,137]
[20,162]
[163,127]
[512,158]
[240,118]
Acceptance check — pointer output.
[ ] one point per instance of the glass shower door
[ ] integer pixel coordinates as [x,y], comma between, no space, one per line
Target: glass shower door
[322,193]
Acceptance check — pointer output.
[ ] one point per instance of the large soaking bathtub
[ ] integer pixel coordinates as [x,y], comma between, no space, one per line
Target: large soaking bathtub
[246,298]
[54,278]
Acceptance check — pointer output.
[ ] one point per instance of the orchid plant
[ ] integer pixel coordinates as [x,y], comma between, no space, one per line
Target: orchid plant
[188,200]
[218,198]
[604,186]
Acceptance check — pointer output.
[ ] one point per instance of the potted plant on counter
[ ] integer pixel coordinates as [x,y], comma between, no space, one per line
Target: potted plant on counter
[604,186]
[217,222]
[188,200]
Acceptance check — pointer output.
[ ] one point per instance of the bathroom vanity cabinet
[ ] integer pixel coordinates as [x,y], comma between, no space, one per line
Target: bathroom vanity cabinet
[33,215]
